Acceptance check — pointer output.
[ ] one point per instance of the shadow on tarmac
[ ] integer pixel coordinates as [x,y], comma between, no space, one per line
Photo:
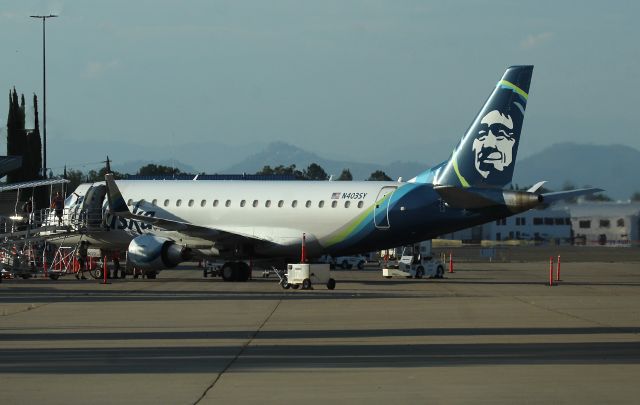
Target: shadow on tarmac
[129,360]
[6,334]
[34,296]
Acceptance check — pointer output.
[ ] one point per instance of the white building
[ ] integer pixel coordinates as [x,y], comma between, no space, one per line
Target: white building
[606,224]
[551,224]
[541,225]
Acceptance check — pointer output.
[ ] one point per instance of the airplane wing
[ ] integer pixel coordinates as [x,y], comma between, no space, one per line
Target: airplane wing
[220,238]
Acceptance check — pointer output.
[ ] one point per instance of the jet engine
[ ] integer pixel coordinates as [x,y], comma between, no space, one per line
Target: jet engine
[150,252]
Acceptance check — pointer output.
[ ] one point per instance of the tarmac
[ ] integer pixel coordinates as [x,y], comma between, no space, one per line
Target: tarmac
[490,333]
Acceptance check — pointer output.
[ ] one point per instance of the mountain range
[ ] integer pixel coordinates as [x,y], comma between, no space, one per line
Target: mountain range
[611,167]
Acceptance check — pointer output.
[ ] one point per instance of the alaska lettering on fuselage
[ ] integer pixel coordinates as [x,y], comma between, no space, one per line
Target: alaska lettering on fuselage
[121,223]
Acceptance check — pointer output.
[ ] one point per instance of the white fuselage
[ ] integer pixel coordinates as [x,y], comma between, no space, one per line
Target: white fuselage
[273,211]
[278,211]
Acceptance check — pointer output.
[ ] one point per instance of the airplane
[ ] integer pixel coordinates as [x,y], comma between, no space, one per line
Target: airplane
[167,222]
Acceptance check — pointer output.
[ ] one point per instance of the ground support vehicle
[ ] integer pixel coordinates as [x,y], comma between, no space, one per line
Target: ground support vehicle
[344,262]
[416,261]
[305,275]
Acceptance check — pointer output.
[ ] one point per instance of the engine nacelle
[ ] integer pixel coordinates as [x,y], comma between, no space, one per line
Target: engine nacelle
[150,252]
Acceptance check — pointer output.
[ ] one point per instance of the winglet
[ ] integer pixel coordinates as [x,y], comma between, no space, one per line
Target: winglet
[117,204]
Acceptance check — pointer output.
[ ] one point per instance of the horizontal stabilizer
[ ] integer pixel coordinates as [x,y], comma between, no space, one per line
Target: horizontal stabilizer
[550,198]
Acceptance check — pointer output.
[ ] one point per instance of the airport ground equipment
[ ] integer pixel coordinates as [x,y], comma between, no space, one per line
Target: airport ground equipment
[344,262]
[25,243]
[305,275]
[416,261]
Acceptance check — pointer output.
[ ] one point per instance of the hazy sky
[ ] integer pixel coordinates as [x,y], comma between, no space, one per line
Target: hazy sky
[358,80]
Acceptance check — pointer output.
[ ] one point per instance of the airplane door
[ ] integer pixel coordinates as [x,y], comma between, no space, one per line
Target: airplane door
[381,209]
[92,205]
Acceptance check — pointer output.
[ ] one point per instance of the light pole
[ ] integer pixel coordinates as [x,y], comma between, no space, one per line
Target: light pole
[44,92]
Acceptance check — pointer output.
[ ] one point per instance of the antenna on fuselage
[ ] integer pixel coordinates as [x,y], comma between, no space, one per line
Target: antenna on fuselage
[108,164]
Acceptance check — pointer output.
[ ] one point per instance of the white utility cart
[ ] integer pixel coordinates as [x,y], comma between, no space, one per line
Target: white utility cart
[307,275]
[416,261]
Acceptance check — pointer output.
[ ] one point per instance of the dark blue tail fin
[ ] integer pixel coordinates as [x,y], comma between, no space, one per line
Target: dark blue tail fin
[486,155]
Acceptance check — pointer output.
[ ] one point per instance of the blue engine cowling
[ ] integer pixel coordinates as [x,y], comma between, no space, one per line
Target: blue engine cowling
[150,252]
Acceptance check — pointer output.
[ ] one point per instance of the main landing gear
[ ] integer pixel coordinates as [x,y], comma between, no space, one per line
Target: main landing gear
[235,271]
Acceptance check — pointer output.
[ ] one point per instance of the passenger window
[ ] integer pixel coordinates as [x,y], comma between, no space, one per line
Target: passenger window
[166,203]
[347,204]
[255,203]
[178,203]
[203,203]
[294,203]
[280,204]
[154,202]
[141,202]
[130,202]
[190,203]
[321,204]
[334,204]
[243,203]
[215,203]
[308,204]
[267,203]
[228,203]
[360,204]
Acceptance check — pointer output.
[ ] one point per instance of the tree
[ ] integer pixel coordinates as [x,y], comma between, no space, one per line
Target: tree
[33,157]
[379,175]
[16,137]
[569,186]
[158,170]
[282,171]
[315,172]
[76,177]
[345,175]
[598,197]
[94,176]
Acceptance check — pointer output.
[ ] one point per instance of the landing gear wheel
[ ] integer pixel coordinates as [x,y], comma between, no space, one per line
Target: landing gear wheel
[387,276]
[331,284]
[285,284]
[151,275]
[306,284]
[229,272]
[243,271]
[344,265]
[295,286]
[360,265]
[419,272]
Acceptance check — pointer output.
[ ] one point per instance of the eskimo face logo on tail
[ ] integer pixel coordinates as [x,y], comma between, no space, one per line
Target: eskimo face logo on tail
[493,144]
